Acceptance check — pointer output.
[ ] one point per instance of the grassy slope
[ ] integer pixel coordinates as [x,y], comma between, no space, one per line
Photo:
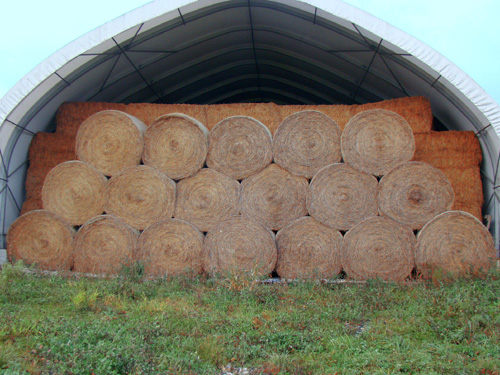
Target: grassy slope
[60,325]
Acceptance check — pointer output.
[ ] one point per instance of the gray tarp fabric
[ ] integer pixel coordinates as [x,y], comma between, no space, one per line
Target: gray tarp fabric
[213,51]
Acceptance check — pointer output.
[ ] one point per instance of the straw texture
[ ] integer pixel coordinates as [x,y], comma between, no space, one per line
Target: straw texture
[43,238]
[103,245]
[340,196]
[171,247]
[379,248]
[207,198]
[239,147]
[140,196]
[413,193]
[308,249]
[110,141]
[239,244]
[274,197]
[75,191]
[376,141]
[454,243]
[176,144]
[305,142]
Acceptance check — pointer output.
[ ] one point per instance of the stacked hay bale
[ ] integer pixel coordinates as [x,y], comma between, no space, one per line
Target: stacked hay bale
[218,192]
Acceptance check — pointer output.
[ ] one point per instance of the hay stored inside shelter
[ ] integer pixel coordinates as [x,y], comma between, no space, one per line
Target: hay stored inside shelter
[104,245]
[274,197]
[379,247]
[308,249]
[42,238]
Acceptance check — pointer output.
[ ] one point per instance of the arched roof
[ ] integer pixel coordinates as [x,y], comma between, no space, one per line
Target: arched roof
[215,51]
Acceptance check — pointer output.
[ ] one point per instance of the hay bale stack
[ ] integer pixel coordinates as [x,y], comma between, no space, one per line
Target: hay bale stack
[170,247]
[274,197]
[176,144]
[110,141]
[454,244]
[340,196]
[239,244]
[379,247]
[43,238]
[239,147]
[468,188]
[305,142]
[75,191]
[140,196]
[413,193]
[308,249]
[103,245]
[376,141]
[207,198]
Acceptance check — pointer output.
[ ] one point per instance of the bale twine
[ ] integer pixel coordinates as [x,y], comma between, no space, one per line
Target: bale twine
[43,238]
[239,244]
[305,142]
[104,245]
[376,141]
[171,247]
[378,247]
[454,243]
[413,193]
[340,196]
[207,198]
[75,191]
[140,196]
[110,141]
[307,249]
[274,197]
[176,144]
[239,147]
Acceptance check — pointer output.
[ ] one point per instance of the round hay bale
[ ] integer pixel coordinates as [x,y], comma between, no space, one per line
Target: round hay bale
[305,142]
[308,249]
[75,191]
[274,197]
[140,196]
[171,247]
[413,193]
[110,141]
[379,247]
[176,144]
[239,146]
[376,141]
[103,245]
[43,238]
[341,197]
[238,244]
[207,198]
[454,243]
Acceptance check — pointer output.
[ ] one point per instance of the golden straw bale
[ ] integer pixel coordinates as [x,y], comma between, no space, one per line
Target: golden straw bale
[75,191]
[104,245]
[43,238]
[176,144]
[171,247]
[454,243]
[207,198]
[472,208]
[466,183]
[377,140]
[413,193]
[307,248]
[340,196]
[45,145]
[306,142]
[239,147]
[379,247]
[140,196]
[31,204]
[266,113]
[274,197]
[110,141]
[239,244]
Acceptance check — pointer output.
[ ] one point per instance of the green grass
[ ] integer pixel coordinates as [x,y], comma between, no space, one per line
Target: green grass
[66,325]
